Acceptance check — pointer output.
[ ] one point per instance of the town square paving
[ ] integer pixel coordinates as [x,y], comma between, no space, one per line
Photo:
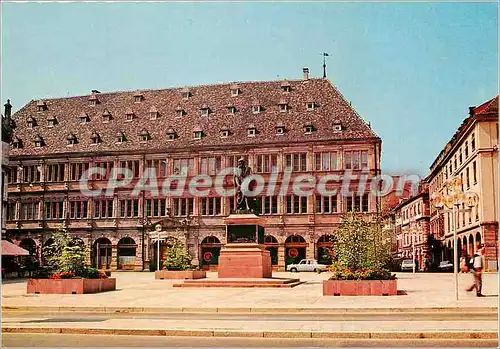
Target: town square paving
[141,290]
[424,314]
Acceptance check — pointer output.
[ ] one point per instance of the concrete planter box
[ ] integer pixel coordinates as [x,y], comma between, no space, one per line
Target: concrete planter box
[360,288]
[180,274]
[70,286]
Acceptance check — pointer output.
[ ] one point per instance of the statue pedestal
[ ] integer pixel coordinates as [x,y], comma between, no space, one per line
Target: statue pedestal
[244,260]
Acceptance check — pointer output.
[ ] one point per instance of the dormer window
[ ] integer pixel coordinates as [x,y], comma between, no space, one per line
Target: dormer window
[283,106]
[235,90]
[256,109]
[95,138]
[285,87]
[93,100]
[198,133]
[179,112]
[205,110]
[231,109]
[31,122]
[129,115]
[280,130]
[39,142]
[84,118]
[310,106]
[71,139]
[51,122]
[185,93]
[153,113]
[144,136]
[337,126]
[308,129]
[17,143]
[106,116]
[120,137]
[138,97]
[41,106]
[224,132]
[171,134]
[251,130]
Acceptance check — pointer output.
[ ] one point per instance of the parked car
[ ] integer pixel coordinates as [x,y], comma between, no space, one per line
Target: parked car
[445,266]
[306,265]
[407,265]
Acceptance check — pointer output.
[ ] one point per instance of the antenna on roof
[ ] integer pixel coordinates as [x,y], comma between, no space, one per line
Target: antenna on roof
[324,54]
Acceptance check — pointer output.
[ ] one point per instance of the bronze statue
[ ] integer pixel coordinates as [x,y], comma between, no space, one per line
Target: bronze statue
[244,204]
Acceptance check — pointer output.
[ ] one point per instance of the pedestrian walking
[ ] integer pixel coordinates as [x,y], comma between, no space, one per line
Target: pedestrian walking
[477,267]
[464,263]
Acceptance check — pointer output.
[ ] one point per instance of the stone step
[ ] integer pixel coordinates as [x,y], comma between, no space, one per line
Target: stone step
[239,283]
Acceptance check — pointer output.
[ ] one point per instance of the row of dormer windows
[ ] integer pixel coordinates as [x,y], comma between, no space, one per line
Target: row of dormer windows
[154,114]
[185,93]
[145,136]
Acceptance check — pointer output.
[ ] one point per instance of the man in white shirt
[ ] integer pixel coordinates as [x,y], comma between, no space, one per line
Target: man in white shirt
[477,263]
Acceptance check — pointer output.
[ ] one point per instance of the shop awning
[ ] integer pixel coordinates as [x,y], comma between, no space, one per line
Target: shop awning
[10,249]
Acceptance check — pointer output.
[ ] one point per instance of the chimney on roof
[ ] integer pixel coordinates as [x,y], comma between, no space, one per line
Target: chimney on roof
[471,111]
[8,109]
[306,73]
[95,91]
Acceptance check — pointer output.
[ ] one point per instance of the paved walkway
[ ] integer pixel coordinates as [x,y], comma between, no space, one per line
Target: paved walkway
[182,327]
[136,289]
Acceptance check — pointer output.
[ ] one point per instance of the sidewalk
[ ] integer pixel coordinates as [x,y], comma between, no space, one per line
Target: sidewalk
[141,290]
[255,328]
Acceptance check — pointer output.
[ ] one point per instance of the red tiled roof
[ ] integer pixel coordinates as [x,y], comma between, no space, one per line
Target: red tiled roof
[330,106]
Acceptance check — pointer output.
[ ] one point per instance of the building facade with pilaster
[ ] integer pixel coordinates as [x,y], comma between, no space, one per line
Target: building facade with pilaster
[304,125]
[471,158]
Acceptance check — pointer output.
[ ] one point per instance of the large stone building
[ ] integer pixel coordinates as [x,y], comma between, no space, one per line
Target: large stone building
[304,125]
[472,157]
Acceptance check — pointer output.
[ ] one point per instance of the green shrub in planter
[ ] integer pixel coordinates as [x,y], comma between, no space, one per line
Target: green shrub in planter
[177,256]
[362,249]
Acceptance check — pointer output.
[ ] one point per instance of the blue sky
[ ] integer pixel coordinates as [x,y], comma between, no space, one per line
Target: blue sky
[411,69]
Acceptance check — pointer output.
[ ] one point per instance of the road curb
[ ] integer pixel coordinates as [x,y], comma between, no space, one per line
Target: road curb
[246,310]
[262,334]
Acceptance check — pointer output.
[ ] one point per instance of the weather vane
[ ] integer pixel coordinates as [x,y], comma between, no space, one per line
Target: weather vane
[324,54]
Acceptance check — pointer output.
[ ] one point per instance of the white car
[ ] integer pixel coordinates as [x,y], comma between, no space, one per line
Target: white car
[306,265]
[445,266]
[407,264]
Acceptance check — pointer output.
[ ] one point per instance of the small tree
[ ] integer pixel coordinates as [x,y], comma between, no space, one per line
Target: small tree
[177,256]
[65,253]
[360,243]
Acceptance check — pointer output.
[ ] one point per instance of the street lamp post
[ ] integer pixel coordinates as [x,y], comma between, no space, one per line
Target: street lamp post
[413,243]
[450,203]
[455,246]
[158,251]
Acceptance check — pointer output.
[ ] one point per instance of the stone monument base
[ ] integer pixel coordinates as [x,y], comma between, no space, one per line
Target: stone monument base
[244,260]
[241,282]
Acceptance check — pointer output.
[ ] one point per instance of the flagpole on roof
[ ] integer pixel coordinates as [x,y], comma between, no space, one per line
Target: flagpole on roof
[324,63]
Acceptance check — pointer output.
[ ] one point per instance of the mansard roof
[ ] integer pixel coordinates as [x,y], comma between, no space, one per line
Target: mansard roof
[268,94]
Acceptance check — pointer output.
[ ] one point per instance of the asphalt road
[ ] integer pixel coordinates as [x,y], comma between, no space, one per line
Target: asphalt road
[66,340]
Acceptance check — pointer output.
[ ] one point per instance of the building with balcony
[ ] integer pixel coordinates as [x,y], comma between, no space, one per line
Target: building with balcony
[472,157]
[304,126]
